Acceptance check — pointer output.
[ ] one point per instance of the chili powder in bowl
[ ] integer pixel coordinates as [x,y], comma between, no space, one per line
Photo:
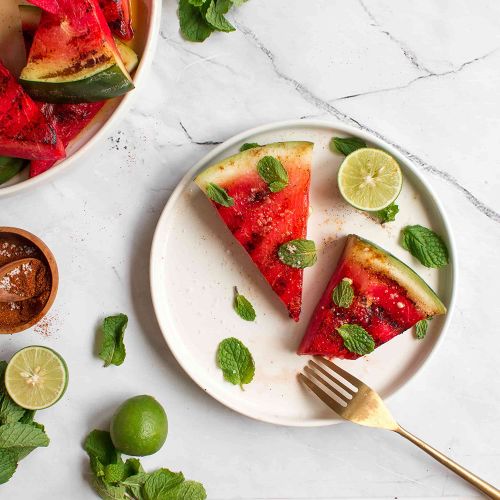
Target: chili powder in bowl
[17,244]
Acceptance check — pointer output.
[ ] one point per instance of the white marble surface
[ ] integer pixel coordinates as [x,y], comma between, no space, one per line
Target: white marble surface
[423,75]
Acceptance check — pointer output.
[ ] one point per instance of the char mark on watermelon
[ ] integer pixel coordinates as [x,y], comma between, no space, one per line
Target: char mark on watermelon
[69,120]
[117,14]
[389,298]
[24,131]
[261,220]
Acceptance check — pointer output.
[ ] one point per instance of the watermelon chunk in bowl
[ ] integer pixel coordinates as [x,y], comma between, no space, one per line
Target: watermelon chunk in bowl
[261,220]
[389,298]
[117,14]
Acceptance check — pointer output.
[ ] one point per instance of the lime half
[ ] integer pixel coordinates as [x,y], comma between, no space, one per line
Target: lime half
[36,377]
[370,179]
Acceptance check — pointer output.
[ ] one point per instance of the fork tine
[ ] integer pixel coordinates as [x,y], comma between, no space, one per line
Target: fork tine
[326,398]
[345,375]
[316,376]
[332,378]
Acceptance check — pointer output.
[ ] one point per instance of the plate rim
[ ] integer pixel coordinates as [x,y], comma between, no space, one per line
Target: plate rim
[145,62]
[297,123]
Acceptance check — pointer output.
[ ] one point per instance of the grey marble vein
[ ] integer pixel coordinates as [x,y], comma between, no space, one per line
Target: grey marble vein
[326,106]
[198,143]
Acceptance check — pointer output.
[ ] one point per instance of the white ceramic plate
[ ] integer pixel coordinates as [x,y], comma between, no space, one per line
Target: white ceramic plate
[195,262]
[146,33]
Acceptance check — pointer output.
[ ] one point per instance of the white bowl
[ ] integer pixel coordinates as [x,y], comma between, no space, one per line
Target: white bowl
[145,43]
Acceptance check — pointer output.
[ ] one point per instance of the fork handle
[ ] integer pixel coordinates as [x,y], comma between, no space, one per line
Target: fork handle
[481,485]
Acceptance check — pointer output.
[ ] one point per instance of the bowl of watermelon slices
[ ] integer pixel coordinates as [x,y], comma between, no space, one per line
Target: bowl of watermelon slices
[68,69]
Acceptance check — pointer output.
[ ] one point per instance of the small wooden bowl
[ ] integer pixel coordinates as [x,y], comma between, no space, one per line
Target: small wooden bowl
[50,261]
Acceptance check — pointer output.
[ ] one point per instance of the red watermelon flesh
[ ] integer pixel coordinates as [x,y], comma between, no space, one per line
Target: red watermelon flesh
[261,220]
[24,131]
[117,14]
[69,120]
[389,298]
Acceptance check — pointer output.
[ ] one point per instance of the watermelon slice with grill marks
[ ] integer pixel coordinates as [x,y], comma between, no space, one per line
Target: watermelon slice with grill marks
[261,220]
[389,298]
[24,131]
[117,14]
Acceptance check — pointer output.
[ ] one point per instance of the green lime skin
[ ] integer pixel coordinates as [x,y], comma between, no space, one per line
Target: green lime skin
[139,426]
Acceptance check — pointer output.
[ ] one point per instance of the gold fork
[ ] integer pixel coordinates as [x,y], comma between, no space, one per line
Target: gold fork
[362,405]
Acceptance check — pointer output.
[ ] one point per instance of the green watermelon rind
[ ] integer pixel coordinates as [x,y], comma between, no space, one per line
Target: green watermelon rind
[388,265]
[229,169]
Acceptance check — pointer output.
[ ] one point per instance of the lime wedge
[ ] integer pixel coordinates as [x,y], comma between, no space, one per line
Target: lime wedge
[36,377]
[370,179]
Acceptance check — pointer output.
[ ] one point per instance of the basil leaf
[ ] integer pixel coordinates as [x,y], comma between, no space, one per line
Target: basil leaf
[273,172]
[249,145]
[346,145]
[298,253]
[235,361]
[243,307]
[356,339]
[388,214]
[343,293]
[424,244]
[219,195]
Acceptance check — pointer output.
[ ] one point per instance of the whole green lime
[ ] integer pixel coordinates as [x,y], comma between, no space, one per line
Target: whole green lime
[139,426]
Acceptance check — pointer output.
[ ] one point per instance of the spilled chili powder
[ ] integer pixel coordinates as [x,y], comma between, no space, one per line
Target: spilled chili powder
[25,280]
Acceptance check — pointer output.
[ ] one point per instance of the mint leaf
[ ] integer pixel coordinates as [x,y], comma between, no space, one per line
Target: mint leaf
[9,167]
[421,329]
[298,253]
[193,25]
[219,195]
[249,145]
[424,244]
[17,435]
[235,361]
[215,16]
[133,467]
[188,490]
[28,417]
[356,339]
[133,484]
[112,347]
[343,293]
[98,444]
[197,3]
[346,145]
[114,473]
[243,307]
[160,483]
[273,172]
[388,214]
[109,491]
[9,411]
[8,465]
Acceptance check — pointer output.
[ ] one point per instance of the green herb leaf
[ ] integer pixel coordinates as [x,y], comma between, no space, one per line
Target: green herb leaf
[343,293]
[298,253]
[9,167]
[346,145]
[425,245]
[193,25]
[108,491]
[421,329]
[235,361]
[135,483]
[188,490]
[28,417]
[17,435]
[159,484]
[388,214]
[9,411]
[219,195]
[249,145]
[215,16]
[114,473]
[197,3]
[8,465]
[243,307]
[112,347]
[273,172]
[98,443]
[133,467]
[356,339]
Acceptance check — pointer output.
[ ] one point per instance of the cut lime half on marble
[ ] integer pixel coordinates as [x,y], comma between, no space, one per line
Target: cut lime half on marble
[36,377]
[370,179]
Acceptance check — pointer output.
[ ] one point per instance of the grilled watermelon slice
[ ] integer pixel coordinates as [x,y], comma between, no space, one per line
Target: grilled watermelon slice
[389,298]
[74,58]
[261,220]
[117,14]
[24,131]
